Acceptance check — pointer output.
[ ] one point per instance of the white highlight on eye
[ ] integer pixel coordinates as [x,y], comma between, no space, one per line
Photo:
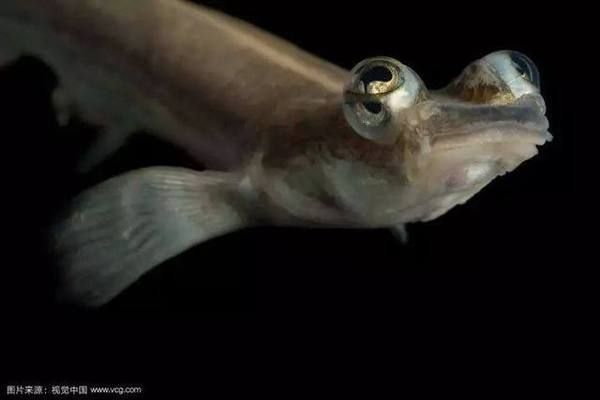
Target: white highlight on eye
[404,96]
[501,63]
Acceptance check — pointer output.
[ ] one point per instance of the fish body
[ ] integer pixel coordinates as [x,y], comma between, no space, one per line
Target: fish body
[287,138]
[170,67]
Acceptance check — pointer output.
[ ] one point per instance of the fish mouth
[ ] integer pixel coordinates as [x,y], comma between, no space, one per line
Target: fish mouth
[522,122]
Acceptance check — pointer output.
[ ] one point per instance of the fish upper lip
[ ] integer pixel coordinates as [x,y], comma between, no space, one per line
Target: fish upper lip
[455,124]
[494,133]
[529,127]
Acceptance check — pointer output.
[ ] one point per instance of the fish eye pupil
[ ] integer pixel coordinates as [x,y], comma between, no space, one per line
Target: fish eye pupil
[525,67]
[378,73]
[372,107]
[521,68]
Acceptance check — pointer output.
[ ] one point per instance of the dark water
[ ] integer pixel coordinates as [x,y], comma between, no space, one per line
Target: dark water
[507,255]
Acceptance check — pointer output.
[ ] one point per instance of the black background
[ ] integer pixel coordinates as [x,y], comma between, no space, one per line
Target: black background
[505,258]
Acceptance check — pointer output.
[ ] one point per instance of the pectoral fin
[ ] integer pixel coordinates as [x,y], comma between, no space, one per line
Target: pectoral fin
[399,231]
[120,229]
[107,143]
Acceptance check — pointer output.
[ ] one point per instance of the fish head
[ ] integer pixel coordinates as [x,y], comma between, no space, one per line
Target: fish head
[449,143]
[401,152]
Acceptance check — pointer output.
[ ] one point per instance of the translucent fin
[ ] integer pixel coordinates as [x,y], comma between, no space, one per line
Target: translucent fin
[120,229]
[399,231]
[107,143]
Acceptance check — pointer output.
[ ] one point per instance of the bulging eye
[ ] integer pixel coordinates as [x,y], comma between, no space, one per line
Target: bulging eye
[525,67]
[516,70]
[378,76]
[378,88]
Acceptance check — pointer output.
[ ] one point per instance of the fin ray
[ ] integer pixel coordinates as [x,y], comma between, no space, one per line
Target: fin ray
[120,229]
[401,233]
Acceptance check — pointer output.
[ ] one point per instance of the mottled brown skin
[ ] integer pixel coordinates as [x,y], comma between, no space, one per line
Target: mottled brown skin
[324,129]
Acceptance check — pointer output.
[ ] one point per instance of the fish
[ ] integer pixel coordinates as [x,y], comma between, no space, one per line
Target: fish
[286,138]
